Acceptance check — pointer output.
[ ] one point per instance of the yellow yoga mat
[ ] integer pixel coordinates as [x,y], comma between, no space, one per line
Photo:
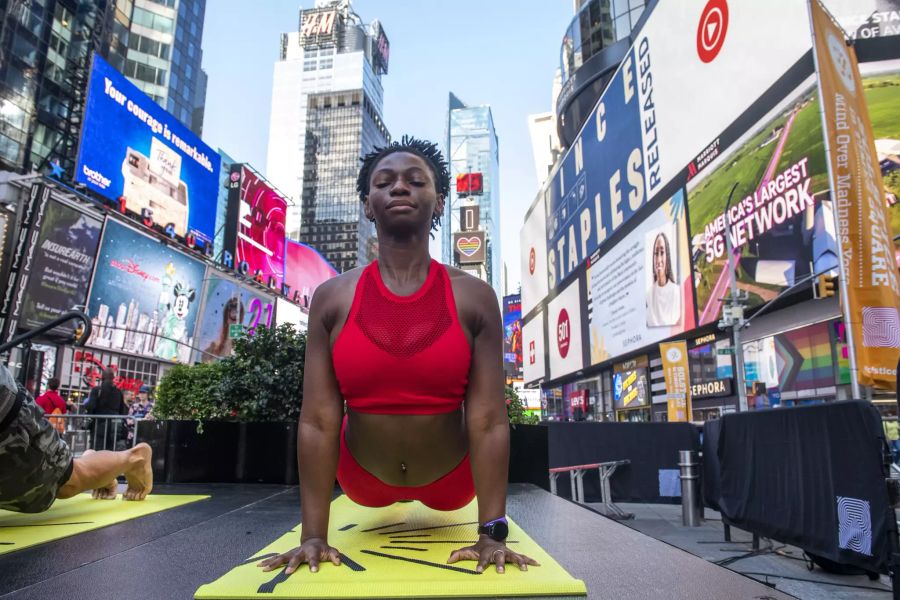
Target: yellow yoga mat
[398,551]
[77,515]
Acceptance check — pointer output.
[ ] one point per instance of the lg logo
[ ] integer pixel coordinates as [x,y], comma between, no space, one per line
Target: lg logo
[711,29]
[531,261]
[563,333]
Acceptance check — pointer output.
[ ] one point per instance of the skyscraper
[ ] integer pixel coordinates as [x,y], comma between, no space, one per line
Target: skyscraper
[164,56]
[45,50]
[326,113]
[472,147]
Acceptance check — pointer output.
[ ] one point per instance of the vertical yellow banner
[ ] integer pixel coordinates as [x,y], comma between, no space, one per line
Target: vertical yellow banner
[871,290]
[677,374]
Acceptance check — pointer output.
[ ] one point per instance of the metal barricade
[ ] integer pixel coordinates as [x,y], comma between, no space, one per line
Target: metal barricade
[97,432]
[576,475]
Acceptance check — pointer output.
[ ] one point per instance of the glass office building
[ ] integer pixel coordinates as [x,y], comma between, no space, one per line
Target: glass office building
[326,113]
[594,45]
[340,127]
[472,147]
[45,49]
[164,56]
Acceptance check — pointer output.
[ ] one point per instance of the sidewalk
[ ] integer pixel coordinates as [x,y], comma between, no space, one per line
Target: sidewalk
[780,566]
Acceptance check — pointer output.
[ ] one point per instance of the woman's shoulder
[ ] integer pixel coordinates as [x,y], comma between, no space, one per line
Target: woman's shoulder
[471,291]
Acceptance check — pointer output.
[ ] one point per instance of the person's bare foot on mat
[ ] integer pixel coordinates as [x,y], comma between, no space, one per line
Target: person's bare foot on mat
[139,473]
[107,492]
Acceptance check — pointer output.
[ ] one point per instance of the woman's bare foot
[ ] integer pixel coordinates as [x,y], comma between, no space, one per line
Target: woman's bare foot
[139,473]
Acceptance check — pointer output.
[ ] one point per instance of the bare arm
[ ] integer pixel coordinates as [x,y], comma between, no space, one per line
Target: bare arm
[486,420]
[320,421]
[318,441]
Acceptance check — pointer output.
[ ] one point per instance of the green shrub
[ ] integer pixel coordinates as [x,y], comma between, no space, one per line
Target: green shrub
[516,410]
[261,381]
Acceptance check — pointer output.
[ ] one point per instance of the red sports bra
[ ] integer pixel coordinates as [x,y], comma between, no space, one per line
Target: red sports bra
[402,355]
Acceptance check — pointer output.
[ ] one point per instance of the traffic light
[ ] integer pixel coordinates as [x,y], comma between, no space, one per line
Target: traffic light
[824,286]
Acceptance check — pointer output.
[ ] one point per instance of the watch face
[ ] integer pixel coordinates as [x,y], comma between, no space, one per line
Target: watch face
[499,531]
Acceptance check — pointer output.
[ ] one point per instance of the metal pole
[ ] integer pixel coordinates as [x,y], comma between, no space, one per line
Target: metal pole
[735,302]
[845,281]
[690,488]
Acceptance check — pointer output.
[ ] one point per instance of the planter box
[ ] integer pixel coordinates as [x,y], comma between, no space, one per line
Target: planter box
[225,452]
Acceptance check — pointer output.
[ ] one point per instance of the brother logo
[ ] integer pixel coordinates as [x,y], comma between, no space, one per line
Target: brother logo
[95,177]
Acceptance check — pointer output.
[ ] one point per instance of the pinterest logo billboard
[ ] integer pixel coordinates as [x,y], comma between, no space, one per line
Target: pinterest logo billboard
[563,332]
[564,327]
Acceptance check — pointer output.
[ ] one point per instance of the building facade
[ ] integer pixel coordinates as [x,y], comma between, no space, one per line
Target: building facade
[473,147]
[165,53]
[327,100]
[45,52]
[622,257]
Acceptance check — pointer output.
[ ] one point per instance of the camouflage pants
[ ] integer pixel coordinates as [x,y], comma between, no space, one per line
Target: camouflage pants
[34,461]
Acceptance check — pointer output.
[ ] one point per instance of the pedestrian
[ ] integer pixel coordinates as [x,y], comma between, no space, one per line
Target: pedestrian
[414,349]
[53,404]
[106,399]
[37,467]
[892,434]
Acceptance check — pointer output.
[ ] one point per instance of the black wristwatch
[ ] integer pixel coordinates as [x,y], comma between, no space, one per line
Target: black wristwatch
[497,529]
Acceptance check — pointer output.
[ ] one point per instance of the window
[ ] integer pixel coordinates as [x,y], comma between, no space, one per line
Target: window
[152,20]
[9,149]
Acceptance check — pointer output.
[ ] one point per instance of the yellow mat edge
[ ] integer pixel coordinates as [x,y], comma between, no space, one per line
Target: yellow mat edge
[156,509]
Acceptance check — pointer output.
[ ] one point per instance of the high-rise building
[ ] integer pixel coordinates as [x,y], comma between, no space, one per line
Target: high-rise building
[164,56]
[326,113]
[45,51]
[472,147]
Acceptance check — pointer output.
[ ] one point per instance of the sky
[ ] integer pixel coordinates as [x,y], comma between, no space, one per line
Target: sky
[503,54]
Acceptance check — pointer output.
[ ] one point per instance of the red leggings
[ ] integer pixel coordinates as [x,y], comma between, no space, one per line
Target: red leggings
[452,491]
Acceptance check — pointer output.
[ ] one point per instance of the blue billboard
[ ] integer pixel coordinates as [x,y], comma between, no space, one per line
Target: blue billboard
[135,153]
[605,178]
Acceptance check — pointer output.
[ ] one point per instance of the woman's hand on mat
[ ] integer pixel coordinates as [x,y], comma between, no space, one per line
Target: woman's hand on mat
[487,551]
[312,551]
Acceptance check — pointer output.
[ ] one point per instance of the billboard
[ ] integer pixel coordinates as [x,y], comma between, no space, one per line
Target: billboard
[564,321]
[144,296]
[229,311]
[288,312]
[533,353]
[305,270]
[254,227]
[640,292]
[647,127]
[780,220]
[866,19]
[469,247]
[512,336]
[134,151]
[871,285]
[533,254]
[62,265]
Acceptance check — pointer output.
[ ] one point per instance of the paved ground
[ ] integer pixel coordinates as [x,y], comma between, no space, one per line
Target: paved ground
[782,567]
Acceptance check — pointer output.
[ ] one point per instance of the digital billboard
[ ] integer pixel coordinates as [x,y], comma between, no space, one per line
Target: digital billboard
[62,265]
[305,270]
[639,291]
[512,336]
[288,312]
[229,310]
[133,151]
[144,297]
[254,227]
[564,341]
[533,255]
[780,221]
[533,354]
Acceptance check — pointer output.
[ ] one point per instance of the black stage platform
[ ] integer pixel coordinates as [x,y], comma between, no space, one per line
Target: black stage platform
[170,554]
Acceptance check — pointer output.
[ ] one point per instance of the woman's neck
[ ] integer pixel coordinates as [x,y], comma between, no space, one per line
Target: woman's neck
[403,261]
